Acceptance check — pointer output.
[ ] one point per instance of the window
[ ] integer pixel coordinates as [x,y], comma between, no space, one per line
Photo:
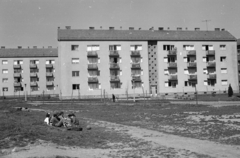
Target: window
[136,72]
[188,47]
[93,48]
[4,62]
[4,71]
[75,86]
[17,62]
[205,71]
[205,82]
[5,89]
[35,79]
[222,47]
[17,89]
[207,47]
[115,47]
[93,73]
[34,61]
[35,70]
[93,86]
[211,82]
[75,60]
[93,60]
[5,80]
[136,47]
[168,47]
[204,59]
[166,83]
[186,83]
[34,88]
[136,59]
[50,88]
[223,59]
[75,73]
[224,82]
[165,59]
[172,84]
[74,47]
[50,61]
[186,71]
[185,59]
[166,72]
[224,70]
[115,85]
[137,85]
[50,70]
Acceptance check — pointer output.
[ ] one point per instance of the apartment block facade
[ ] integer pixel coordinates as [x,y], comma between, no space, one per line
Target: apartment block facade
[154,61]
[33,71]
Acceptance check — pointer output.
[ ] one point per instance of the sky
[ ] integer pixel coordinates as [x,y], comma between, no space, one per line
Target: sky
[35,22]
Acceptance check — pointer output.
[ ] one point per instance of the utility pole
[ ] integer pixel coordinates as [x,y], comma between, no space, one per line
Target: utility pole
[206,21]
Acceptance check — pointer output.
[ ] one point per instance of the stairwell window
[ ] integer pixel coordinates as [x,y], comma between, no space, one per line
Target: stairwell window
[136,47]
[74,47]
[188,47]
[168,47]
[4,71]
[4,62]
[207,47]
[223,70]
[224,83]
[223,59]
[93,48]
[75,86]
[75,73]
[5,80]
[75,60]
[222,47]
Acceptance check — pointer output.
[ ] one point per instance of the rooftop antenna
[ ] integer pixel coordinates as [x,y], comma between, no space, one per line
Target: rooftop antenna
[206,21]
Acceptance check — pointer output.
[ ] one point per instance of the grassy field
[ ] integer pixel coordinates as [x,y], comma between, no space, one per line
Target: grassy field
[19,128]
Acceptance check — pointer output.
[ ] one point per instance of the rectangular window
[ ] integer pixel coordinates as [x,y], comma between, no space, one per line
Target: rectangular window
[34,61]
[222,47]
[166,83]
[5,80]
[75,86]
[93,86]
[115,47]
[168,47]
[135,72]
[207,47]
[165,59]
[4,62]
[75,60]
[17,62]
[186,83]
[116,85]
[93,60]
[204,59]
[166,72]
[205,71]
[224,70]
[4,71]
[75,73]
[35,79]
[35,70]
[186,71]
[50,61]
[205,82]
[136,47]
[50,88]
[137,84]
[185,59]
[93,48]
[223,59]
[34,89]
[136,59]
[74,47]
[5,89]
[93,73]
[224,82]
[188,47]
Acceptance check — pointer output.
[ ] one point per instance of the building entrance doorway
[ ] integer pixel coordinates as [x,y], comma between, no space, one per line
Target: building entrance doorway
[153,90]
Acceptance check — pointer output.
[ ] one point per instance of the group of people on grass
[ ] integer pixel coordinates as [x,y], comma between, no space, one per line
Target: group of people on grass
[58,120]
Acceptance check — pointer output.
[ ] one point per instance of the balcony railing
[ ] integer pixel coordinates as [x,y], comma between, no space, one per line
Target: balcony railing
[33,84]
[114,79]
[192,64]
[135,54]
[92,66]
[212,76]
[92,79]
[211,64]
[172,78]
[191,53]
[49,74]
[92,54]
[210,52]
[49,65]
[49,83]
[33,74]
[114,66]
[17,84]
[136,66]
[172,52]
[172,65]
[192,77]
[33,66]
[113,53]
[18,66]
[136,78]
[17,74]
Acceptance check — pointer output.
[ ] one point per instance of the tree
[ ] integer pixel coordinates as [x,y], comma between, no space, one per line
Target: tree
[230,91]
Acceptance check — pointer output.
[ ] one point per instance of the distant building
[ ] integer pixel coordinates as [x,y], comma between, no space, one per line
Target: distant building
[238,51]
[92,61]
[28,70]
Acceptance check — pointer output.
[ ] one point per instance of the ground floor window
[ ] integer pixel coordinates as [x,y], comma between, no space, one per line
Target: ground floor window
[116,85]
[75,86]
[93,85]
[137,84]
[211,82]
[50,88]
[17,89]
[5,89]
[34,89]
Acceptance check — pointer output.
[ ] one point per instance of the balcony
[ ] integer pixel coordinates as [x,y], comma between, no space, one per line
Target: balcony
[114,79]
[192,78]
[211,64]
[114,53]
[33,84]
[92,80]
[33,66]
[210,52]
[191,53]
[49,65]
[49,83]
[212,77]
[136,66]
[33,74]
[17,74]
[172,65]
[49,74]
[172,78]
[18,66]
[136,78]
[17,84]
[135,54]
[114,66]
[92,66]
[172,52]
[92,54]
[191,64]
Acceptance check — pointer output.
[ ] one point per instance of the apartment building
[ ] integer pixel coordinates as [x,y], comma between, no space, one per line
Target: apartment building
[32,71]
[238,52]
[154,61]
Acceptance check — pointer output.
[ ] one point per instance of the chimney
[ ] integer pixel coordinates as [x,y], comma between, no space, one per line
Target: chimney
[68,27]
[131,28]
[179,28]
[160,28]
[111,28]
[35,47]
[197,29]
[49,46]
[2,47]
[223,29]
[217,29]
[19,47]
[91,28]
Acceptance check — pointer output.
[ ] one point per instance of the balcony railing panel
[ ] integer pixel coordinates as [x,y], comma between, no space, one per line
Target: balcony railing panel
[136,66]
[33,84]
[192,64]
[192,77]
[172,65]
[114,53]
[136,78]
[191,53]
[17,84]
[212,76]
[114,79]
[18,66]
[49,74]
[17,75]
[92,66]
[135,53]
[92,54]
[33,66]
[172,52]
[210,52]
[33,74]
[49,65]
[211,64]
[114,66]
[49,83]
[93,79]
[173,78]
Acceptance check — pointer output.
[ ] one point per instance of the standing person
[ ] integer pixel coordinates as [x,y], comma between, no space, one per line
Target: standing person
[230,91]
[113,97]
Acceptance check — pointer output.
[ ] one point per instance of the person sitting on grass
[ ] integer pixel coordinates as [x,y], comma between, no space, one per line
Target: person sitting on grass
[47,119]
[57,119]
[74,123]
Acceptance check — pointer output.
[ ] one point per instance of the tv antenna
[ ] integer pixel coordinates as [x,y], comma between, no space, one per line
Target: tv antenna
[206,21]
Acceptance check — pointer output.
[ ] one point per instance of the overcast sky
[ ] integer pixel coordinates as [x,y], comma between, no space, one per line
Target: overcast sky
[34,22]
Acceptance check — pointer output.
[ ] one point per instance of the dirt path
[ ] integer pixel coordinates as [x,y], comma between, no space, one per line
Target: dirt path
[145,143]
[213,103]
